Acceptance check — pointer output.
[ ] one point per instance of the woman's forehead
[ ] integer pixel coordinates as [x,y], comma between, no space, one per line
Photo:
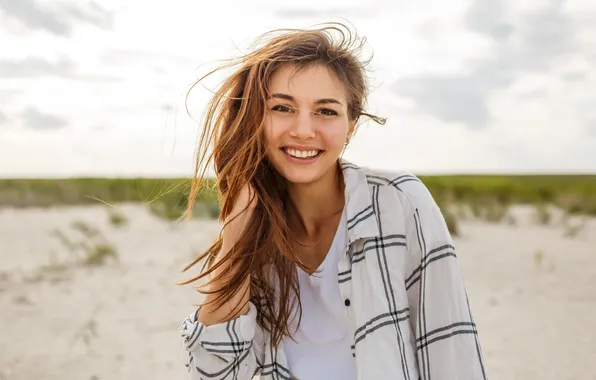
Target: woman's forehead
[307,83]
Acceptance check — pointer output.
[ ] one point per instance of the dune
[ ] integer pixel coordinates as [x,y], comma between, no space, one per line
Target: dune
[88,295]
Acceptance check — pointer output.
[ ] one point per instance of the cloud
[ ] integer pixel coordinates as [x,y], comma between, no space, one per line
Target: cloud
[545,36]
[533,45]
[3,118]
[457,97]
[489,17]
[311,12]
[575,76]
[36,67]
[58,19]
[135,56]
[7,94]
[34,119]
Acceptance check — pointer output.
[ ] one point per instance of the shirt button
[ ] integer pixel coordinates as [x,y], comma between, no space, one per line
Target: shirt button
[347,302]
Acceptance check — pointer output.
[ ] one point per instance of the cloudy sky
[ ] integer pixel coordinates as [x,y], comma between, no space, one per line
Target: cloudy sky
[96,88]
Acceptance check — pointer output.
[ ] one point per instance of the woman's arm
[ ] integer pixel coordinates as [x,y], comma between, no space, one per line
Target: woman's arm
[447,343]
[224,341]
[226,350]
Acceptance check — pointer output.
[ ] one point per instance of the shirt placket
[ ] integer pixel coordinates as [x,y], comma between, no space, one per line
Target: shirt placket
[345,288]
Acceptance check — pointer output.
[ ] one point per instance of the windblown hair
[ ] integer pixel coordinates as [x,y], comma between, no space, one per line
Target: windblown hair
[233,140]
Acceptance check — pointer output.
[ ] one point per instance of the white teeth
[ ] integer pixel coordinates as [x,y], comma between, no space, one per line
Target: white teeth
[301,154]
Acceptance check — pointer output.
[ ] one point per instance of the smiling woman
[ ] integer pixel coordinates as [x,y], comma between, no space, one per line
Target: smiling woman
[324,270]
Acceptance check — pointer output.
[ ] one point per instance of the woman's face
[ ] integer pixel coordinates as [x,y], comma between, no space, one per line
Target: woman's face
[306,122]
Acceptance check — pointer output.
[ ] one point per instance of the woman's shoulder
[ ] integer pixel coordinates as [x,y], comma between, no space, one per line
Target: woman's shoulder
[408,186]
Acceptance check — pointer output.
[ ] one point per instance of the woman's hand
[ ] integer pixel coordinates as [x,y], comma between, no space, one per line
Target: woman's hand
[240,215]
[234,226]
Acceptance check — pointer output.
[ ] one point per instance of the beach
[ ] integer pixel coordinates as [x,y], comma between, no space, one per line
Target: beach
[89,292]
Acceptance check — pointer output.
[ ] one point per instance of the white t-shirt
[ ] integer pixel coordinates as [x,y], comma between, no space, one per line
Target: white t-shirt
[322,350]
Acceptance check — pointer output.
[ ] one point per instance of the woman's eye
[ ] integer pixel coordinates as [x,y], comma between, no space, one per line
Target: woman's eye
[281,108]
[327,112]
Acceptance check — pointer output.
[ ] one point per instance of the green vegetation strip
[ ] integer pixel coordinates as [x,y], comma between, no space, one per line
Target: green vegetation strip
[576,194]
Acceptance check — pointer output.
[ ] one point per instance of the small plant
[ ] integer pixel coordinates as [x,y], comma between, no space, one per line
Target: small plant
[64,240]
[174,211]
[88,331]
[22,299]
[538,257]
[450,219]
[462,212]
[55,267]
[573,230]
[573,225]
[99,254]
[92,250]
[542,215]
[117,219]
[477,211]
[452,225]
[165,211]
[496,212]
[86,230]
[489,209]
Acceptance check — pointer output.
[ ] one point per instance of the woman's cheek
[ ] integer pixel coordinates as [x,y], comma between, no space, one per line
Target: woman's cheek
[335,135]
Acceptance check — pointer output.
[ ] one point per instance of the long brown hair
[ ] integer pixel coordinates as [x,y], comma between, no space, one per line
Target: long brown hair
[232,139]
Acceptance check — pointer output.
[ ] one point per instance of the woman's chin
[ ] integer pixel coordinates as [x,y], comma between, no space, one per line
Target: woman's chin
[301,180]
[303,175]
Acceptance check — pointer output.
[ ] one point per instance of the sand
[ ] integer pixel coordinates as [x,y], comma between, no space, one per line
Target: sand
[532,290]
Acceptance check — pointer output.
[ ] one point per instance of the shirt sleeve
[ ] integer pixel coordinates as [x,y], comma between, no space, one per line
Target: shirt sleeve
[447,344]
[228,350]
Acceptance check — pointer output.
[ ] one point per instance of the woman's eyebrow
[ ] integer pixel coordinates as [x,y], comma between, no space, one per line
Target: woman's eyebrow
[292,99]
[328,101]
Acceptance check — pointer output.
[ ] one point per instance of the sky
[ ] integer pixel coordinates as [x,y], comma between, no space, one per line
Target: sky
[468,86]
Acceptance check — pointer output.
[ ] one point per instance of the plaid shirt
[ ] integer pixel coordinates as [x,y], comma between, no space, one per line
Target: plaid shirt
[406,303]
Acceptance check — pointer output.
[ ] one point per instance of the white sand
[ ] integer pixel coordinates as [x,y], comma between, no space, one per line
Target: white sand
[533,292]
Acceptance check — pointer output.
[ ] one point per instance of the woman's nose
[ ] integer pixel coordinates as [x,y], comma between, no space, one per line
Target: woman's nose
[303,127]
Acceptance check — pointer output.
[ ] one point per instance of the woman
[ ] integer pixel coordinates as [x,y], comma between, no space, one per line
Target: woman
[324,270]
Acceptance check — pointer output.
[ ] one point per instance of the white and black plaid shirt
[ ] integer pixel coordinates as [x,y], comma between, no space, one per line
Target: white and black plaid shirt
[406,303]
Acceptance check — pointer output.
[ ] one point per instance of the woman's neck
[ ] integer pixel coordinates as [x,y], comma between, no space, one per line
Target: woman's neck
[317,203]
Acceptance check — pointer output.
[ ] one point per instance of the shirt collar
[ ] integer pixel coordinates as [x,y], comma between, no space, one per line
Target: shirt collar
[362,221]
